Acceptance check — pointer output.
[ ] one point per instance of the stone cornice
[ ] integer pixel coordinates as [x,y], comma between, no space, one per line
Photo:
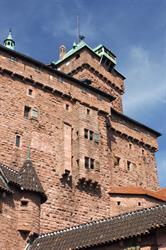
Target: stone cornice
[99,75]
[44,87]
[134,140]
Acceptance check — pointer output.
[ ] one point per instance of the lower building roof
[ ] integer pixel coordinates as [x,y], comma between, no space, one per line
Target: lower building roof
[104,231]
[132,190]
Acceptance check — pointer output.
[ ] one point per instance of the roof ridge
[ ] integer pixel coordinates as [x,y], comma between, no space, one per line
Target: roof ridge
[124,215]
[11,169]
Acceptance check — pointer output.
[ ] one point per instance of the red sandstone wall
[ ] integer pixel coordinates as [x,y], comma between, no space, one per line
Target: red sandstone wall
[8,224]
[69,202]
[126,203]
[98,74]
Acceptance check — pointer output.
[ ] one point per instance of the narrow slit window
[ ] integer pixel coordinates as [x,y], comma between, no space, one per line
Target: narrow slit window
[118,203]
[67,106]
[78,163]
[128,165]
[117,161]
[88,111]
[18,141]
[30,92]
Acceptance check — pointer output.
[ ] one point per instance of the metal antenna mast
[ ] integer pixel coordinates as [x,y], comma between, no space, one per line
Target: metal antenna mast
[78,29]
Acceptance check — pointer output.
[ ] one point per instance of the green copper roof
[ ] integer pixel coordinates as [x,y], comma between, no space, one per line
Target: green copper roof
[75,48]
[9,42]
[100,51]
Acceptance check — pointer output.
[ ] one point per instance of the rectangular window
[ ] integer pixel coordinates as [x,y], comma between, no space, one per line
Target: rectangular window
[91,135]
[87,162]
[86,133]
[18,141]
[27,111]
[24,203]
[34,113]
[96,137]
[92,161]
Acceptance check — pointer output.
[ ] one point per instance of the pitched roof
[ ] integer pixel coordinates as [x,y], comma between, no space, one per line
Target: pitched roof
[103,231]
[132,190]
[10,174]
[3,185]
[26,178]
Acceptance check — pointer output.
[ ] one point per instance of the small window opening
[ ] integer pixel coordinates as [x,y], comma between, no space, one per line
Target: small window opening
[67,106]
[143,151]
[128,165]
[87,162]
[30,92]
[77,56]
[118,203]
[97,166]
[78,162]
[18,141]
[117,161]
[86,133]
[88,111]
[24,203]
[139,204]
[130,145]
[77,133]
[91,135]
[92,161]
[27,111]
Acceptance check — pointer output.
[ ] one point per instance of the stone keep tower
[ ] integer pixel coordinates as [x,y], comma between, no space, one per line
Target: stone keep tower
[92,160]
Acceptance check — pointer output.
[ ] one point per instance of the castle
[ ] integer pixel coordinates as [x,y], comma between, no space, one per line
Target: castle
[68,153]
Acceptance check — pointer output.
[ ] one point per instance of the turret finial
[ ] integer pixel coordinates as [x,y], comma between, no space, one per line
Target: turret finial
[9,42]
[28,153]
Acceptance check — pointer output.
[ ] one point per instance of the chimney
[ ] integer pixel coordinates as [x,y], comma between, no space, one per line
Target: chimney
[62,51]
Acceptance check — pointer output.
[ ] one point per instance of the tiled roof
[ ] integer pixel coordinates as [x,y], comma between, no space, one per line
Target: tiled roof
[131,190]
[29,180]
[103,231]
[10,174]
[26,178]
[3,185]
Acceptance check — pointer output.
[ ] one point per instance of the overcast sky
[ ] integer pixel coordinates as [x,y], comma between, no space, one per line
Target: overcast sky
[135,30]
